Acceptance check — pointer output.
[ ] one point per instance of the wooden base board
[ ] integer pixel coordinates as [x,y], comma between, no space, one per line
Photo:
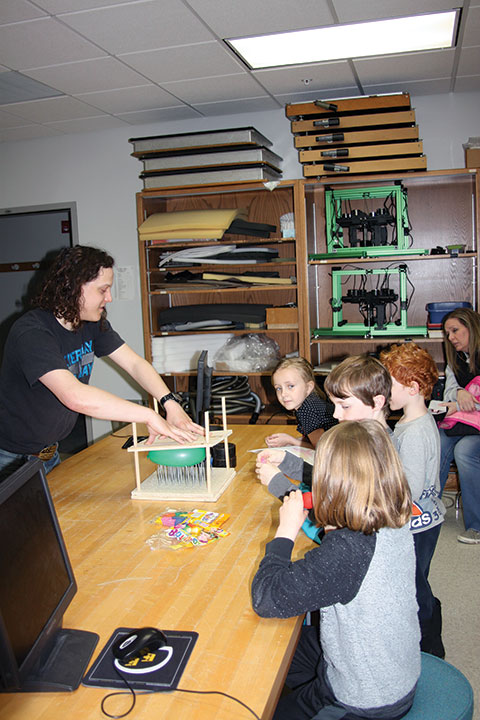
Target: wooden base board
[359,137]
[369,166]
[362,151]
[220,479]
[406,117]
[353,104]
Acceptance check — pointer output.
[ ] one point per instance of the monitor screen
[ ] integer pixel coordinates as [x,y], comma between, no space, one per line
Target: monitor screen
[204,388]
[37,582]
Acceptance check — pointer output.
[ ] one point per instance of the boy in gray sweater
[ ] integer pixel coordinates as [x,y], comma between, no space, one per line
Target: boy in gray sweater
[417,440]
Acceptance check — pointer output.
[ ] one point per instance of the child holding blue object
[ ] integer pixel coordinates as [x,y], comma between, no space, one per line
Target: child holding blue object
[364,659]
[417,440]
[297,390]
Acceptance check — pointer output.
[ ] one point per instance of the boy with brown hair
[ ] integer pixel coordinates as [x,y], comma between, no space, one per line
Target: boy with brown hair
[359,387]
[417,440]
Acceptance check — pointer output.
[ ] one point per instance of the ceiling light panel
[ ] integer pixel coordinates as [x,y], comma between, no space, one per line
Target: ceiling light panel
[431,31]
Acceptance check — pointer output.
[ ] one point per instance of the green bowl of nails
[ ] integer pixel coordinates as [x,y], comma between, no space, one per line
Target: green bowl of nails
[178,457]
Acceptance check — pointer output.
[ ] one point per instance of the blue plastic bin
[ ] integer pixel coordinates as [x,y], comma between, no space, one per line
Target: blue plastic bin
[438,310]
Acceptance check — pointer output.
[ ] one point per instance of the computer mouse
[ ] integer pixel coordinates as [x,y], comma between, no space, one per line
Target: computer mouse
[138,642]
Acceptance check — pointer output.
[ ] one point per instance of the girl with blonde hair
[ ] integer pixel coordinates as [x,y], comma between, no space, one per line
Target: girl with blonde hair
[364,658]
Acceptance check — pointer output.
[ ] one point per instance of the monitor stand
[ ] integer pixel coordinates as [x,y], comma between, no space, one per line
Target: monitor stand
[64,664]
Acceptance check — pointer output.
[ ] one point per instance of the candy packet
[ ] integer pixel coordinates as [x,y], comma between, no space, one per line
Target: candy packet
[181,529]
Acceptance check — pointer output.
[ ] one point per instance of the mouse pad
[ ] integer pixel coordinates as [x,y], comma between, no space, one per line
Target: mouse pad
[104,674]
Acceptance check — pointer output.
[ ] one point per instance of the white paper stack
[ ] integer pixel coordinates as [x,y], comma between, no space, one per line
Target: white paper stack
[180,354]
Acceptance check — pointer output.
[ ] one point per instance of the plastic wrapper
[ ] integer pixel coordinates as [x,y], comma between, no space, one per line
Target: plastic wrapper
[248,353]
[187,530]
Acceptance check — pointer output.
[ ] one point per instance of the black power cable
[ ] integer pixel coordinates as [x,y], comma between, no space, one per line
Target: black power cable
[134,698]
[238,395]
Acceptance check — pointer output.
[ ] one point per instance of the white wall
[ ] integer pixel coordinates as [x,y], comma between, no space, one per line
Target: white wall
[97,172]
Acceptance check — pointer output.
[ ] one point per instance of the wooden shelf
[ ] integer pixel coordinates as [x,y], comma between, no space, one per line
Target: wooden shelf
[222,331]
[262,206]
[443,209]
[389,258]
[227,240]
[380,339]
[212,267]
[199,290]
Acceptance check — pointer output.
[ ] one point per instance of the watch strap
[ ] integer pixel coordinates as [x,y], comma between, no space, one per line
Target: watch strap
[169,396]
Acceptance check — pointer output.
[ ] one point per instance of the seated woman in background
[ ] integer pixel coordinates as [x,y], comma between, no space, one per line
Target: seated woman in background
[460,430]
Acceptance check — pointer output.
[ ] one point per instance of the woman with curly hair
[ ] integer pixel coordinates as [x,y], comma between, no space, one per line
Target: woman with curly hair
[48,360]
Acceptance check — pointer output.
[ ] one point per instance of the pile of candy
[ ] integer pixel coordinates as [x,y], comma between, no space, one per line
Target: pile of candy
[188,529]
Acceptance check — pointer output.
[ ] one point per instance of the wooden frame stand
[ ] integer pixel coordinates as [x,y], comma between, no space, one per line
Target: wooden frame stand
[217,479]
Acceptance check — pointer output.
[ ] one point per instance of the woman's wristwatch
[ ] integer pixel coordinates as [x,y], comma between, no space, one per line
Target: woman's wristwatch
[169,396]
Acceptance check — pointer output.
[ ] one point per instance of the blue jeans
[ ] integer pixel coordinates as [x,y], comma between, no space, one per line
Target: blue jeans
[429,607]
[9,462]
[465,450]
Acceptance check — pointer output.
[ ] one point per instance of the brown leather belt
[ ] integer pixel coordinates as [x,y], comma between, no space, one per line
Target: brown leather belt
[47,453]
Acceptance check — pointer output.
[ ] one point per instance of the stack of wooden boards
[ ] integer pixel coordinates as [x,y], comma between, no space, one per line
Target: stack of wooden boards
[356,136]
[208,157]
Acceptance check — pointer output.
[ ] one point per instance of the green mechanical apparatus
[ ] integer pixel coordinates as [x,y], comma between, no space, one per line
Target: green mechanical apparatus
[374,296]
[383,232]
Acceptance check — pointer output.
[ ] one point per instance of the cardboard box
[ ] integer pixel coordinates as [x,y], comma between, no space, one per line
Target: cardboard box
[282,317]
[472,157]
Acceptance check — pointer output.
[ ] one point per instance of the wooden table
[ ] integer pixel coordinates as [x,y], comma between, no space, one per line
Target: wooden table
[123,583]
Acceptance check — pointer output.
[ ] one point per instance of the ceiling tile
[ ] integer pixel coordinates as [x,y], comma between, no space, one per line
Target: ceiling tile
[215,89]
[327,94]
[468,84]
[105,73]
[146,25]
[349,11]
[17,87]
[18,10]
[42,42]
[471,34]
[417,87]
[27,132]
[306,77]
[174,65]
[90,124]
[408,67]
[182,112]
[232,107]
[469,63]
[146,97]
[254,17]
[7,120]
[53,109]
[60,6]
[177,63]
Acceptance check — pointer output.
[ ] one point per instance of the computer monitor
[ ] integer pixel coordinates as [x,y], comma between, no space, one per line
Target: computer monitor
[204,388]
[37,585]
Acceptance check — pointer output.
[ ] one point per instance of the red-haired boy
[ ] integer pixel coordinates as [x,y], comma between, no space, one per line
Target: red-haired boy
[417,440]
